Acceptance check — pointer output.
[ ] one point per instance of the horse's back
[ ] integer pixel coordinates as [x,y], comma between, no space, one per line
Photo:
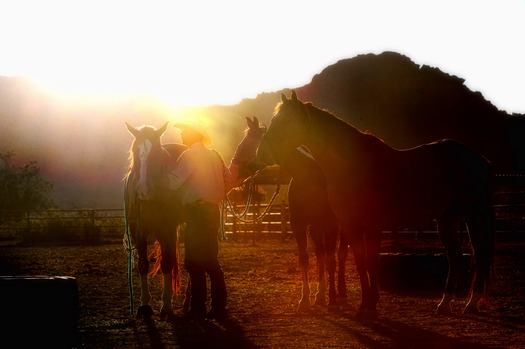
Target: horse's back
[413,186]
[174,149]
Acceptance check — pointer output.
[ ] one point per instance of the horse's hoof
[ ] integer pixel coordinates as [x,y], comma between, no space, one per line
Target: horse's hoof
[185,306]
[471,309]
[320,302]
[167,315]
[343,304]
[341,300]
[333,308]
[366,314]
[444,309]
[304,307]
[145,312]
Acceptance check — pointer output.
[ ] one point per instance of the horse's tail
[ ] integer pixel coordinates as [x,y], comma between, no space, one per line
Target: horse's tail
[480,186]
[486,247]
[482,182]
[490,236]
[156,255]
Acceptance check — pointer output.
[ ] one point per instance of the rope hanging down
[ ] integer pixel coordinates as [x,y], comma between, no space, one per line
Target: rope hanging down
[128,247]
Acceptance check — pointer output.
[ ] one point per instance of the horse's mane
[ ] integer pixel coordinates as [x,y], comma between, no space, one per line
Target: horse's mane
[333,130]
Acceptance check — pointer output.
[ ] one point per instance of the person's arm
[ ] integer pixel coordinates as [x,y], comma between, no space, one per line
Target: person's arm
[180,173]
[232,179]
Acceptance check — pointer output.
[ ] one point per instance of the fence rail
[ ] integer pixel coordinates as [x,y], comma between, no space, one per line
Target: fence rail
[108,224]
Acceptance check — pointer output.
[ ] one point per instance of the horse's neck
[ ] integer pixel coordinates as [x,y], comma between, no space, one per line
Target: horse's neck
[170,154]
[246,149]
[299,165]
[174,149]
[331,138]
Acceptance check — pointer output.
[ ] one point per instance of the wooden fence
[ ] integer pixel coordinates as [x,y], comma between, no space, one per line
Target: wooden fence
[108,224]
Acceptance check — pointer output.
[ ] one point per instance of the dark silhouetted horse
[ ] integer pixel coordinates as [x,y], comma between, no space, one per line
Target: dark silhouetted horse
[372,187]
[310,214]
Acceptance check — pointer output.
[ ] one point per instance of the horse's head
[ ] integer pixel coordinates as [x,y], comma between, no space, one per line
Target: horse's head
[146,158]
[244,156]
[286,132]
[255,129]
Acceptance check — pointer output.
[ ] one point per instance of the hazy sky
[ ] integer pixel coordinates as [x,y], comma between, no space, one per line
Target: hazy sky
[207,52]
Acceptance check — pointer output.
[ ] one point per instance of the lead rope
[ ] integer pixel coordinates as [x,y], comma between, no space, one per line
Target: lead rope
[224,207]
[131,261]
[223,222]
[248,202]
[260,217]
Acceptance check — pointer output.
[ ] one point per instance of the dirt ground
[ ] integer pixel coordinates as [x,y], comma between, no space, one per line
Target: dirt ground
[264,286]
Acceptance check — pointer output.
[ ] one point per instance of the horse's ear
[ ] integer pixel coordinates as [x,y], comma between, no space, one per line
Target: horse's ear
[163,129]
[132,130]
[293,96]
[252,123]
[283,98]
[249,122]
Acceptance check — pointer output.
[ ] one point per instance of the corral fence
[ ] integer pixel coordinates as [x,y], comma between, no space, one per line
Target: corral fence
[107,225]
[67,226]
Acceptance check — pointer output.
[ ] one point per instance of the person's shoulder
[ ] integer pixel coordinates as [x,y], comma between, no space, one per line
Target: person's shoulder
[216,153]
[186,154]
[213,150]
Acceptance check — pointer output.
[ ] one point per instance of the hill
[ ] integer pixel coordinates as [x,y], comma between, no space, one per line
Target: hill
[406,104]
[81,143]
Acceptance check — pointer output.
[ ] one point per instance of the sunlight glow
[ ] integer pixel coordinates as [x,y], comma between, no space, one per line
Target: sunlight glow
[207,52]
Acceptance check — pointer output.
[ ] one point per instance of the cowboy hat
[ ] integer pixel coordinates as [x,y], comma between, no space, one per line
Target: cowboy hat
[197,127]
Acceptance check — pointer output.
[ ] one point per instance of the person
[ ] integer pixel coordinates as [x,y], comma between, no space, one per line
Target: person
[204,179]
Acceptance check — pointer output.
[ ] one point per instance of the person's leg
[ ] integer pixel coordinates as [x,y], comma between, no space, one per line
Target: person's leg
[193,242]
[198,291]
[218,291]
[212,266]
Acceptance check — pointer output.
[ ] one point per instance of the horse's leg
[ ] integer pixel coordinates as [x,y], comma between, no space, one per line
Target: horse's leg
[358,245]
[342,255]
[170,270]
[373,243]
[299,231]
[447,233]
[330,244]
[320,256]
[144,311]
[482,239]
[187,297]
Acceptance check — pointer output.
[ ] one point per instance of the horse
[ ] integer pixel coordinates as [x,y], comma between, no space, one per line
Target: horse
[153,212]
[373,187]
[311,214]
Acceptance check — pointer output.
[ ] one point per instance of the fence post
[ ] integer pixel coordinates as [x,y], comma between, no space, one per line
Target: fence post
[28,221]
[234,225]
[284,220]
[92,230]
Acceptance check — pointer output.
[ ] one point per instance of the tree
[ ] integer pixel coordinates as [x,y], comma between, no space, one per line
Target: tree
[22,188]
